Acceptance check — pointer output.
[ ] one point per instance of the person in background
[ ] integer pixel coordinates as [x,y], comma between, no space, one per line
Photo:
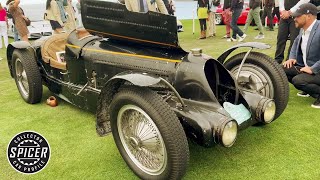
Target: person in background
[303,66]
[132,5]
[203,9]
[171,7]
[236,8]
[157,6]
[3,26]
[276,10]
[70,24]
[18,17]
[227,15]
[254,13]
[15,31]
[267,12]
[286,27]
[211,21]
[78,6]
[53,14]
[16,36]
[63,14]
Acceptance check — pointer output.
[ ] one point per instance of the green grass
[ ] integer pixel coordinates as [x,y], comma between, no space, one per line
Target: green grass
[286,149]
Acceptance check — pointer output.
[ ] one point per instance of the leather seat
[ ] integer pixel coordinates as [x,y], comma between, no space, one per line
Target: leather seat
[53,45]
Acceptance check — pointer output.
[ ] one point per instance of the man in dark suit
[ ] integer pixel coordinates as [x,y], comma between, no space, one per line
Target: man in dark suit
[286,26]
[303,66]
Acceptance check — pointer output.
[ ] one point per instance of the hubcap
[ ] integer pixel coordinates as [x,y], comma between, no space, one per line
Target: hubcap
[141,140]
[255,78]
[22,79]
[218,19]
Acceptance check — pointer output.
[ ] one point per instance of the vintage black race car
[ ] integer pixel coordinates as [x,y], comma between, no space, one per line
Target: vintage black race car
[128,68]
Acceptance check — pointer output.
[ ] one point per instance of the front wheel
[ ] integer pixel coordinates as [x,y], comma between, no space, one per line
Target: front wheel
[264,75]
[148,134]
[27,76]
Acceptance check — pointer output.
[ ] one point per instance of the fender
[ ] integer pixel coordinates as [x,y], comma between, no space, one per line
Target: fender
[251,45]
[16,45]
[137,78]
[11,47]
[110,89]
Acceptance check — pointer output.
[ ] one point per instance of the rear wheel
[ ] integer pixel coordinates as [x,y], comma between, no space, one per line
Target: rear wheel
[264,75]
[27,76]
[219,19]
[148,134]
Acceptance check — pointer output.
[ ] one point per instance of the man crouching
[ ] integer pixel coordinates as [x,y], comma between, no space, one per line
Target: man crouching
[303,66]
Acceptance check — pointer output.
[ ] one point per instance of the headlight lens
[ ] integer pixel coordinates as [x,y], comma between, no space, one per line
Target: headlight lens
[229,133]
[269,111]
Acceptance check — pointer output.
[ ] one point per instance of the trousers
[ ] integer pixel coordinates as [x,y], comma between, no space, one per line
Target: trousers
[309,83]
[286,28]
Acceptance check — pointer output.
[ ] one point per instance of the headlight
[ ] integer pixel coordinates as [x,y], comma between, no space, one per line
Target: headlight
[266,110]
[269,111]
[229,133]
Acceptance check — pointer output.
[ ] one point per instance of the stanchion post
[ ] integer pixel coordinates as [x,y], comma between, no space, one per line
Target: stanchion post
[193,22]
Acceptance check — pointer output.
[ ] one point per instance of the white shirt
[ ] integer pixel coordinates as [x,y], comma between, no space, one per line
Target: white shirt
[212,7]
[276,3]
[304,41]
[294,8]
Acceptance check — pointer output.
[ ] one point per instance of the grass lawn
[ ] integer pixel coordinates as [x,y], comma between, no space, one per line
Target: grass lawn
[286,149]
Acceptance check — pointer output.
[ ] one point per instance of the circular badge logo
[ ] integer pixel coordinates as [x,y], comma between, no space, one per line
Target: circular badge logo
[28,152]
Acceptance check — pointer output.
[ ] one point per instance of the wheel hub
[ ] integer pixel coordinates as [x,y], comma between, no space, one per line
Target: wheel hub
[22,78]
[135,143]
[255,78]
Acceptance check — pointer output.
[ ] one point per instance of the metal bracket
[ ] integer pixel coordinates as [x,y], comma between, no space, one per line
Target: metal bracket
[64,73]
[242,62]
[175,92]
[94,79]
[82,88]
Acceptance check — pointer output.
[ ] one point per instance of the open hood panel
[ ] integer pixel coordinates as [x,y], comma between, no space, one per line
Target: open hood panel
[113,20]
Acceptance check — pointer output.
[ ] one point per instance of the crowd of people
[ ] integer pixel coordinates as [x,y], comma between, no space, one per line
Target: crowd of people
[232,10]
[60,14]
[297,21]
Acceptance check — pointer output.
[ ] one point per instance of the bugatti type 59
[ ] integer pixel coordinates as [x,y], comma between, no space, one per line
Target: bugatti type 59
[128,68]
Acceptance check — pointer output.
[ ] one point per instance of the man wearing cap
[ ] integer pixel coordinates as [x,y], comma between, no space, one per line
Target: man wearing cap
[286,26]
[303,66]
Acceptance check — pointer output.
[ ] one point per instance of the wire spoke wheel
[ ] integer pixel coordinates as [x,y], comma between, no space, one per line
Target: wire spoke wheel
[27,75]
[142,139]
[148,134]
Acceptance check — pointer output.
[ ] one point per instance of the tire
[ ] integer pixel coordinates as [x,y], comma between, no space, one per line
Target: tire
[263,68]
[27,76]
[219,19]
[136,108]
